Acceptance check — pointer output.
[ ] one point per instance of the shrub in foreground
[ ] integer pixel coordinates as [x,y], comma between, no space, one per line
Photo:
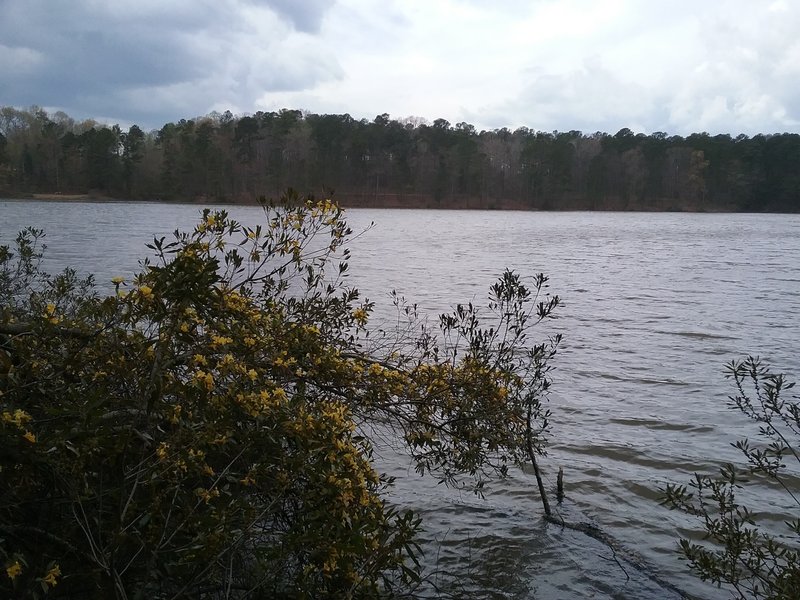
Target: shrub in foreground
[205,431]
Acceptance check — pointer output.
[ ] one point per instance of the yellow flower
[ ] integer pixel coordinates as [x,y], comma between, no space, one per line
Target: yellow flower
[30,437]
[161,451]
[360,315]
[14,570]
[52,574]
[50,314]
[330,565]
[117,280]
[207,495]
[220,340]
[19,418]
[146,291]
[207,379]
[285,362]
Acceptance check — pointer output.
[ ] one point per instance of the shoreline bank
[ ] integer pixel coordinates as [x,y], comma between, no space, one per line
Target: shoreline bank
[355,202]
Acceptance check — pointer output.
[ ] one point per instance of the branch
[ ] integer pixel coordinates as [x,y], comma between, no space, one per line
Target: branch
[27,328]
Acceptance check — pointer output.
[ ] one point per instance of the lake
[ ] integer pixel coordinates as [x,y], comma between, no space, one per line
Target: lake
[654,306]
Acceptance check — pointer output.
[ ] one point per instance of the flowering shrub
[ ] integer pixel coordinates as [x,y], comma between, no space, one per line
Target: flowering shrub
[204,430]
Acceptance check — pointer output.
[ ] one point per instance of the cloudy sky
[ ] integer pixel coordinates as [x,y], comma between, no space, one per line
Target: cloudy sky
[679,66]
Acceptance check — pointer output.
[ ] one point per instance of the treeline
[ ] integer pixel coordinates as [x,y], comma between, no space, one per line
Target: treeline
[387,162]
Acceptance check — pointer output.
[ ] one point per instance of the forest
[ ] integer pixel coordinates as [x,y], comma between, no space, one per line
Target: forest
[388,162]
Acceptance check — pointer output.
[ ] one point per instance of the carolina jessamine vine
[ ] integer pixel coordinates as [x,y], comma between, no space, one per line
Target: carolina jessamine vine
[206,428]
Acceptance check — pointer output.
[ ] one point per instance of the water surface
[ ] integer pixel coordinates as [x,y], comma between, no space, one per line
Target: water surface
[654,305]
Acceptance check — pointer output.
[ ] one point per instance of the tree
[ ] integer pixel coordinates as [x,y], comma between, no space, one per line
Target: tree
[745,550]
[4,166]
[101,146]
[206,430]
[132,154]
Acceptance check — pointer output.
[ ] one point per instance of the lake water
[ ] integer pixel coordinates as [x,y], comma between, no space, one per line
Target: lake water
[654,305]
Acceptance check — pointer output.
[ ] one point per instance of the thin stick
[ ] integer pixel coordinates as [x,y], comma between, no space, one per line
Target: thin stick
[532,456]
[560,485]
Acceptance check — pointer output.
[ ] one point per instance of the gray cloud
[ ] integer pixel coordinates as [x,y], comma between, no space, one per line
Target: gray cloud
[155,61]
[305,15]
[590,98]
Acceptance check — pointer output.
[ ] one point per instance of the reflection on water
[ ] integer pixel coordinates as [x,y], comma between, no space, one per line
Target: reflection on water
[654,306]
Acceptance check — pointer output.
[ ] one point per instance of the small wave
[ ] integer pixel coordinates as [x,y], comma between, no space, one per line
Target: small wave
[647,381]
[697,335]
[661,425]
[627,458]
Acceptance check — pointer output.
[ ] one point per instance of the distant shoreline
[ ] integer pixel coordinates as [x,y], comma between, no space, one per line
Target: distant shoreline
[70,197]
[100,198]
[345,202]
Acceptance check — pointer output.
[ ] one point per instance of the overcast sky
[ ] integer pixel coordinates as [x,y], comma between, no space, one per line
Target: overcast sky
[722,66]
